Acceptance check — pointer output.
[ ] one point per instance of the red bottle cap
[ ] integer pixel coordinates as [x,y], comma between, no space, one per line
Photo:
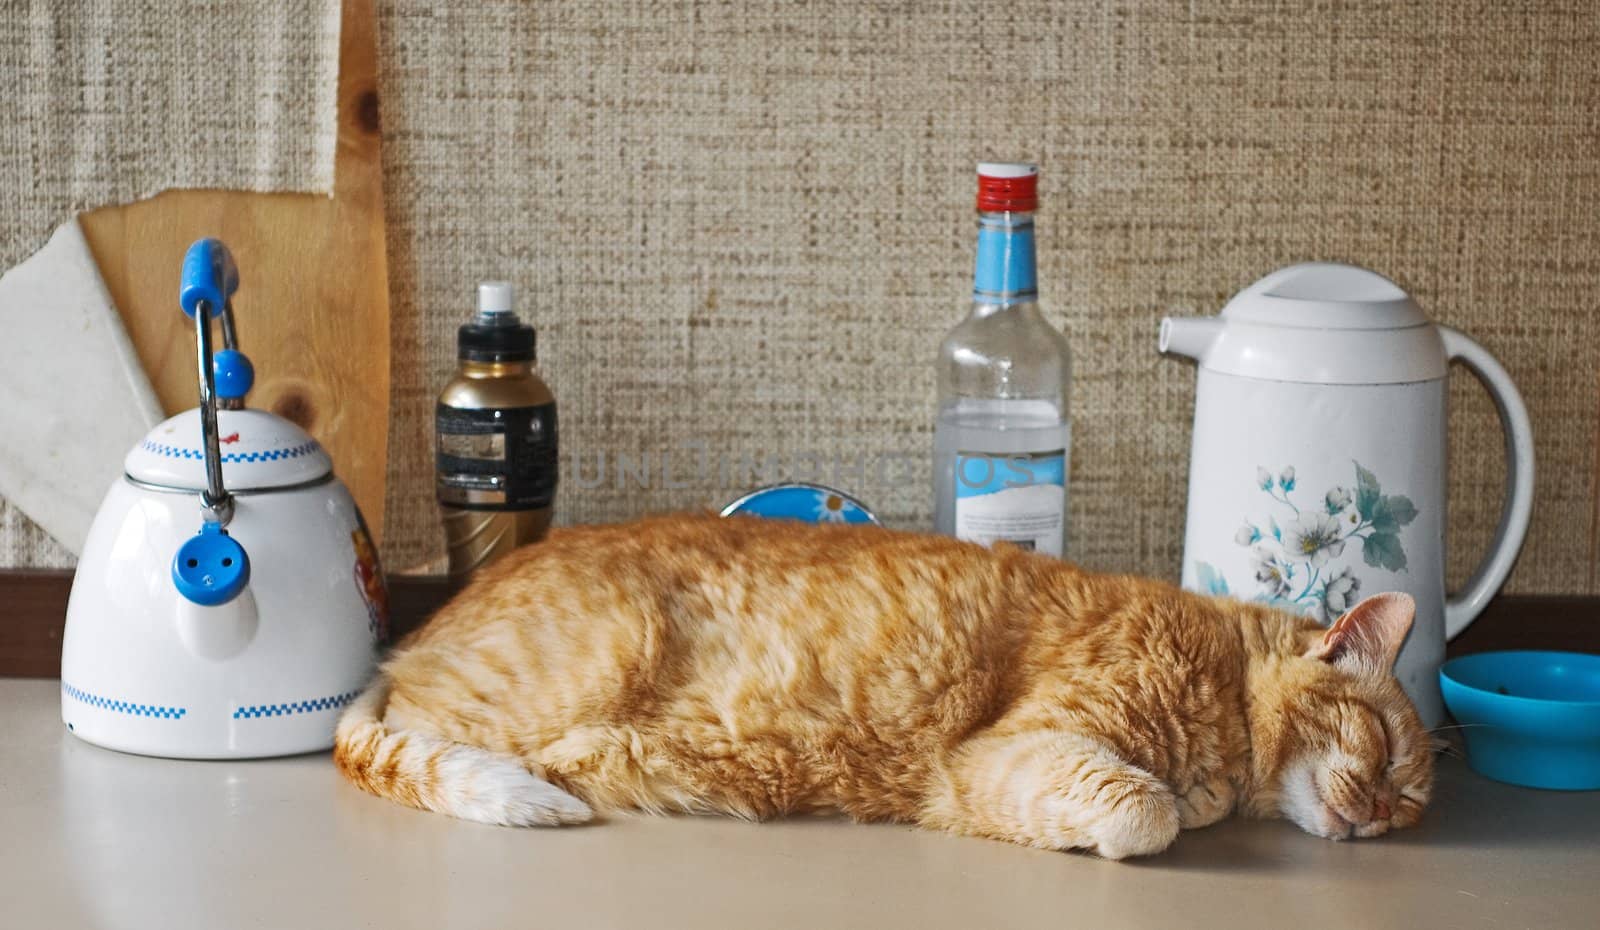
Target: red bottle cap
[1005,187]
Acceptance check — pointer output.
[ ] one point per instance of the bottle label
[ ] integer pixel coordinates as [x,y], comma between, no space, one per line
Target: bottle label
[1005,268]
[497,458]
[1020,498]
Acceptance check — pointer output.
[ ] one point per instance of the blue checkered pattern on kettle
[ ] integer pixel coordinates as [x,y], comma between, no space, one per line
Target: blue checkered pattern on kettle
[298,707]
[271,455]
[123,707]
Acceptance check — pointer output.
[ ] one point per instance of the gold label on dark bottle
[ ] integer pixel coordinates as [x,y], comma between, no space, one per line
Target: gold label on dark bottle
[497,458]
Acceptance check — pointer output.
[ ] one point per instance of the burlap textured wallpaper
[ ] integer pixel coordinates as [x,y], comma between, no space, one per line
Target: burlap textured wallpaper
[747,225]
[109,102]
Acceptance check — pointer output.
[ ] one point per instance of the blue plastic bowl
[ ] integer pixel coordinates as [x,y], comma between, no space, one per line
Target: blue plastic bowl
[1529,718]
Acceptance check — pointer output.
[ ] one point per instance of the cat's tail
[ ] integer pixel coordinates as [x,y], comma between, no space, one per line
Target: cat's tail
[432,773]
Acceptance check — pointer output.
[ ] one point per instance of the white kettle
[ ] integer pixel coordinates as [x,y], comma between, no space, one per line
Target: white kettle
[228,601]
[1317,474]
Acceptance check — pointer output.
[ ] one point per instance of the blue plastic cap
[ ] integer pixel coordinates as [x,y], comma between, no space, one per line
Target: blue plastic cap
[209,277]
[234,372]
[211,568]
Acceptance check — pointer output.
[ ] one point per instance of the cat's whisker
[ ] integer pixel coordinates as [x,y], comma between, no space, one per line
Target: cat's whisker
[1455,726]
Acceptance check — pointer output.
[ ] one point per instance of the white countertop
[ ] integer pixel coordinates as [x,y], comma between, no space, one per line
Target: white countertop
[93,838]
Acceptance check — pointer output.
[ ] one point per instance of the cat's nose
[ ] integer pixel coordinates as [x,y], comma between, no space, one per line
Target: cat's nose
[1380,809]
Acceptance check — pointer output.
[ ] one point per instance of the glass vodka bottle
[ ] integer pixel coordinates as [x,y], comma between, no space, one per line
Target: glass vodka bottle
[1003,437]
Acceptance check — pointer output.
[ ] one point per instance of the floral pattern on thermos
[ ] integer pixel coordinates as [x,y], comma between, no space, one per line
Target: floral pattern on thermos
[1301,564]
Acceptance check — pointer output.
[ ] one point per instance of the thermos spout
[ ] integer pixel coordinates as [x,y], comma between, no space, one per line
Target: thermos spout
[1190,336]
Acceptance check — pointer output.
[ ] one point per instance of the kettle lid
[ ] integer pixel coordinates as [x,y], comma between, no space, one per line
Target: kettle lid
[260,451]
[1325,295]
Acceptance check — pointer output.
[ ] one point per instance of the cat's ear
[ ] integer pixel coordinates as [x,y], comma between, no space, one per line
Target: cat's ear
[1368,637]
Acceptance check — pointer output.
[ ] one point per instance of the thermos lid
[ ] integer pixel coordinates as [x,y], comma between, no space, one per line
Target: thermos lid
[1315,323]
[1325,295]
[260,451]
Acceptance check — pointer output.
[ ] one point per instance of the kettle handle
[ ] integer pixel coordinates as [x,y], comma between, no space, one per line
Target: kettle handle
[1464,607]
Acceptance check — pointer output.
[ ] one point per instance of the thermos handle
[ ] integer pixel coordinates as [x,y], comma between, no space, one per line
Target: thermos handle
[1464,607]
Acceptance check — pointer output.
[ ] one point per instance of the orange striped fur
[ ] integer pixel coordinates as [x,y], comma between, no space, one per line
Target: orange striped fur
[762,668]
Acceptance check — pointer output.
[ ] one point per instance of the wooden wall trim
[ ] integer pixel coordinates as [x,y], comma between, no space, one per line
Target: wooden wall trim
[33,606]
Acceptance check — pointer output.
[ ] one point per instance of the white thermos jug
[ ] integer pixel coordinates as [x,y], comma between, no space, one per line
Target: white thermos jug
[1317,474]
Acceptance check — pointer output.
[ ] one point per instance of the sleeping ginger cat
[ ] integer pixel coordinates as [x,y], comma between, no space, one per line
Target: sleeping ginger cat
[761,667]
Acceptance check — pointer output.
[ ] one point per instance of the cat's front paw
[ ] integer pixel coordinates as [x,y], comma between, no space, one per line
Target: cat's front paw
[1206,803]
[1142,818]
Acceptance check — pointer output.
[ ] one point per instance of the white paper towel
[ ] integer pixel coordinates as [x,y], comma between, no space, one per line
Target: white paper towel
[73,396]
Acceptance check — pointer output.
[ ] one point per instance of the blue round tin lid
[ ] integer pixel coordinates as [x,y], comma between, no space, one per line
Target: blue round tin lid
[808,503]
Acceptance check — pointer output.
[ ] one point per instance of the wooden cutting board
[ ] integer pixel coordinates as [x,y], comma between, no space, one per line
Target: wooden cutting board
[313,300]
